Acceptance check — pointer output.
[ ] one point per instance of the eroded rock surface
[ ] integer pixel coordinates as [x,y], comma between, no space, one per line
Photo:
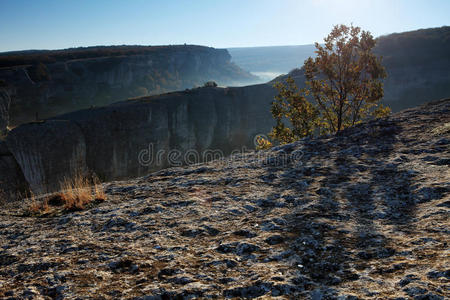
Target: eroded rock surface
[363,215]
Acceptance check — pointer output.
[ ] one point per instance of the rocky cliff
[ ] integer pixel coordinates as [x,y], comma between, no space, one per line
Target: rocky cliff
[132,138]
[362,215]
[46,83]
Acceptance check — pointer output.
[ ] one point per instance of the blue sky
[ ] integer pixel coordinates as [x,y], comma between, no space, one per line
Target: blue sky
[55,24]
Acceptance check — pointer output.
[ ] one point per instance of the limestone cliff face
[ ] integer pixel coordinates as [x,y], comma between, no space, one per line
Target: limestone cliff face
[135,137]
[46,89]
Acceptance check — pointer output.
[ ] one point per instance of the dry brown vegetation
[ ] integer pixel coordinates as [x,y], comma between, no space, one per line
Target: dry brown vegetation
[34,207]
[76,193]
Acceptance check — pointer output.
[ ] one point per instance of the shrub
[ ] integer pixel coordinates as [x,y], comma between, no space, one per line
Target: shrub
[210,84]
[343,88]
[345,78]
[291,104]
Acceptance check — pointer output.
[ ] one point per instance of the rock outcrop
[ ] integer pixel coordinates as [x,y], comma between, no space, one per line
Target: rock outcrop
[54,82]
[362,215]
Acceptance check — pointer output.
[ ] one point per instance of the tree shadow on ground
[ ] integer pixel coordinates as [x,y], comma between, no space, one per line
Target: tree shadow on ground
[343,188]
[348,204]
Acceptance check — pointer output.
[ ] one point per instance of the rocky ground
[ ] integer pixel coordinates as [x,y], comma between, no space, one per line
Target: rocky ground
[363,215]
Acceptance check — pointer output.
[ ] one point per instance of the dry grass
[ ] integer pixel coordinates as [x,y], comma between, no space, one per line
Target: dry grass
[76,193]
[99,192]
[79,191]
[35,207]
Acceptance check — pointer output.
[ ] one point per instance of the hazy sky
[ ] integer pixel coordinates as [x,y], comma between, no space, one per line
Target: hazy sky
[53,24]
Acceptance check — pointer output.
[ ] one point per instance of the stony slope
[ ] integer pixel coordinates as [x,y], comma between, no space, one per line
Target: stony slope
[361,215]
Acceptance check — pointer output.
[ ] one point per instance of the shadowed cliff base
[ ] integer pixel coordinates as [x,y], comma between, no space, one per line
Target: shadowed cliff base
[362,215]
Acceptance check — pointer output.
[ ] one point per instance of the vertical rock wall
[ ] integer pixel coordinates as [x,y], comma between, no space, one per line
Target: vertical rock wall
[135,137]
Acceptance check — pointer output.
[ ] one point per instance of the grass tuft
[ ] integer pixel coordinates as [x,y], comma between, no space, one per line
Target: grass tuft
[35,207]
[76,193]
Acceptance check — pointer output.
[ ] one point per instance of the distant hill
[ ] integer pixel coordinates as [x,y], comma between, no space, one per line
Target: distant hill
[43,83]
[268,61]
[423,46]
[17,58]
[417,65]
